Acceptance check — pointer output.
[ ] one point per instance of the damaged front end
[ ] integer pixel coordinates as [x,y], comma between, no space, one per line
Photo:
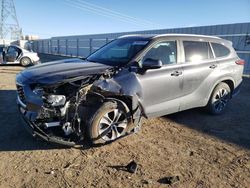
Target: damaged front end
[55,112]
[59,112]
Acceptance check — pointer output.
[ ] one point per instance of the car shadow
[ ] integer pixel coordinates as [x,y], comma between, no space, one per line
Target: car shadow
[10,65]
[13,136]
[232,126]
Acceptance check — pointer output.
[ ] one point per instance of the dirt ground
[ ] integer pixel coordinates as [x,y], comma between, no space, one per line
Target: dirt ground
[203,150]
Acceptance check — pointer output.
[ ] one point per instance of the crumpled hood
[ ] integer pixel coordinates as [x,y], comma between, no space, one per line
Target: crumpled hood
[58,71]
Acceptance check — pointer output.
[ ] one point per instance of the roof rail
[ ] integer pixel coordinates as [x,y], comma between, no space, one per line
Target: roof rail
[131,35]
[184,35]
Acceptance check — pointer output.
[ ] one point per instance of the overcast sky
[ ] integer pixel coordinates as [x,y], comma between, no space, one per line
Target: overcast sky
[49,18]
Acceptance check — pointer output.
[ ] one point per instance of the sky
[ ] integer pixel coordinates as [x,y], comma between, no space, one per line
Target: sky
[48,18]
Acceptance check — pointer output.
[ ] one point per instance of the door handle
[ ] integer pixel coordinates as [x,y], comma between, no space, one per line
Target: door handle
[176,73]
[213,66]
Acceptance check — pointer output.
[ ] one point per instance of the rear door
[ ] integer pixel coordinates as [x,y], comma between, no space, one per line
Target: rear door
[162,87]
[199,67]
[11,54]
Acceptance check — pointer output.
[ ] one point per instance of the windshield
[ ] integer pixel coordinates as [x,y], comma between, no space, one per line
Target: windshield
[118,52]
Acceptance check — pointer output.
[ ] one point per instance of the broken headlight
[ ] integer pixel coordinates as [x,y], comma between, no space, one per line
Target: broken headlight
[56,100]
[38,91]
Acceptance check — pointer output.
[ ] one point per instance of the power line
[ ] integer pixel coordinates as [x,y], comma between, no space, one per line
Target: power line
[101,13]
[120,14]
[107,13]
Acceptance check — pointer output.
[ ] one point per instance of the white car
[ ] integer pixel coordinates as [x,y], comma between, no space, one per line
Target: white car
[16,55]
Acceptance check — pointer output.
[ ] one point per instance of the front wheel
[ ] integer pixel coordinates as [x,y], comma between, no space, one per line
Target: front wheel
[219,99]
[108,123]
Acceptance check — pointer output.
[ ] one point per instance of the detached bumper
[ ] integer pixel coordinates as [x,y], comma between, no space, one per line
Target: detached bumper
[34,130]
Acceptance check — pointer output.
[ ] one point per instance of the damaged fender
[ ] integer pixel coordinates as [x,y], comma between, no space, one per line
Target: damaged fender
[124,87]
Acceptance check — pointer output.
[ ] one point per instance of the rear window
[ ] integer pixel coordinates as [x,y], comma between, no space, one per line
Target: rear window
[220,50]
[195,51]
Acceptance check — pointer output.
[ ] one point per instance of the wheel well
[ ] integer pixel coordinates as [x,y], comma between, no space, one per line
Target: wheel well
[125,100]
[230,84]
[25,57]
[96,98]
[129,102]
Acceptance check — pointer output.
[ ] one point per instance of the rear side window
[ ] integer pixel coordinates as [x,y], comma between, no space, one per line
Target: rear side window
[196,51]
[220,50]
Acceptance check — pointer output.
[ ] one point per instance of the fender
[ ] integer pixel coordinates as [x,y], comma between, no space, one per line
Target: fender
[123,85]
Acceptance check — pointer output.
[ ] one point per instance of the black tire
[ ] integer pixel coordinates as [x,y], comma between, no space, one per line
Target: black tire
[219,99]
[25,61]
[96,126]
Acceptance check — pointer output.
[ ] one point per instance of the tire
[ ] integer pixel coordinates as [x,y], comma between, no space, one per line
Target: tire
[105,125]
[25,61]
[219,99]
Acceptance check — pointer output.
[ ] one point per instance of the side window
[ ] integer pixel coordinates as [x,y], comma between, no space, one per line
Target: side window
[220,50]
[12,49]
[164,51]
[195,51]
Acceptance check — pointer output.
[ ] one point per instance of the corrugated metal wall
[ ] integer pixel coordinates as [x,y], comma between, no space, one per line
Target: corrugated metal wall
[83,45]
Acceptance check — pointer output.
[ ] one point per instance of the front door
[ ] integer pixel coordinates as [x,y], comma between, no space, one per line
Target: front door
[162,87]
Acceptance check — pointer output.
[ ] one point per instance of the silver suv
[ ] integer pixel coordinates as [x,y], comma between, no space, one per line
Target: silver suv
[108,93]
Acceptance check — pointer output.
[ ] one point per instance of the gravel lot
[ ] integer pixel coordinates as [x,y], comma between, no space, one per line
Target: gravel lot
[203,150]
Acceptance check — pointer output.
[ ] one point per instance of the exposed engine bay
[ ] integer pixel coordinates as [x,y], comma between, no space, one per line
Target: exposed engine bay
[63,111]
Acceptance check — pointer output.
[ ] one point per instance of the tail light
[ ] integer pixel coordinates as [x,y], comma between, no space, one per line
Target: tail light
[240,62]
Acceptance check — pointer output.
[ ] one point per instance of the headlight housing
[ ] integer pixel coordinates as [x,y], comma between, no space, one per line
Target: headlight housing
[38,91]
[56,100]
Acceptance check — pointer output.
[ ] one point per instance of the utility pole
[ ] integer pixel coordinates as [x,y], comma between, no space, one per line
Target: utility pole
[9,26]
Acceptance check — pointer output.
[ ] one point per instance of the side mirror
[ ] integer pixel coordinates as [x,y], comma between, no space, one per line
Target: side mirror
[151,64]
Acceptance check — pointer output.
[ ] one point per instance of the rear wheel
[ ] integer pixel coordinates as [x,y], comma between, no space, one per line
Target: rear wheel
[25,61]
[108,123]
[219,99]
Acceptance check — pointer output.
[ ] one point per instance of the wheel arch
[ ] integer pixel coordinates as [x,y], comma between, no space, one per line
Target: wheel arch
[231,85]
[25,57]
[228,80]
[121,100]
[132,103]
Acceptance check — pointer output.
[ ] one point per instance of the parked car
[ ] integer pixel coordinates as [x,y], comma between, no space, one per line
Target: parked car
[106,95]
[16,55]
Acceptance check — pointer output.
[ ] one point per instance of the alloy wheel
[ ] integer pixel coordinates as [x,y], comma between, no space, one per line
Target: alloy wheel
[113,125]
[221,99]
